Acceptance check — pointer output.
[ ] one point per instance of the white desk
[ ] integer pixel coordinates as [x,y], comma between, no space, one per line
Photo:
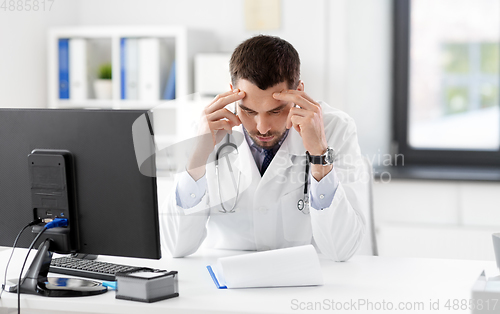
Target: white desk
[373,279]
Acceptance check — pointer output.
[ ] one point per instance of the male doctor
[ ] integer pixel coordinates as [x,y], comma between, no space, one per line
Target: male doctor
[260,202]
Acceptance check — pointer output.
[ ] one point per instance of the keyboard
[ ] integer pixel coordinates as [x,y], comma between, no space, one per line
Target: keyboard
[88,268]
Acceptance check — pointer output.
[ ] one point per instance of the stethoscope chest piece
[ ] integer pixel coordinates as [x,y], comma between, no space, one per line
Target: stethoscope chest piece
[300,204]
[303,206]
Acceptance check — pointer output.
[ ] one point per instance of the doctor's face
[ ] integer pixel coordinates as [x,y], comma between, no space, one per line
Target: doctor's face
[263,117]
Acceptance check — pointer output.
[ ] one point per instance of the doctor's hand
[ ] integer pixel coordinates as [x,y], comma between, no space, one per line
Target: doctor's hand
[308,122]
[216,121]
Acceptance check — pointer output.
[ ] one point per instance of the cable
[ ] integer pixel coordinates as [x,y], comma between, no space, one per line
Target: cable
[58,222]
[34,222]
[22,268]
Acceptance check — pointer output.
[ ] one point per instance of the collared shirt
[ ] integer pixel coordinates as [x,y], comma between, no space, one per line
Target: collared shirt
[258,152]
[190,192]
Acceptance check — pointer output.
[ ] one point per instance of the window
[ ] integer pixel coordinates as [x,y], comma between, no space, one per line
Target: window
[446,81]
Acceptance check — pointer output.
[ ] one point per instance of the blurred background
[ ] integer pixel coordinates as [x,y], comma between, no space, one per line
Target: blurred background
[418,77]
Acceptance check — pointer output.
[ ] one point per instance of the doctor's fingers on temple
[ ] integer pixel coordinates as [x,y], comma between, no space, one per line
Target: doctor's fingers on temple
[312,116]
[219,96]
[224,99]
[299,98]
[303,94]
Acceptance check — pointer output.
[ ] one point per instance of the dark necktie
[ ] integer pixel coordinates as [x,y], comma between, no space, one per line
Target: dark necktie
[267,160]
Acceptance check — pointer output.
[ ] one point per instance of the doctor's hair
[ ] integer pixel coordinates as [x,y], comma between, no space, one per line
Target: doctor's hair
[265,61]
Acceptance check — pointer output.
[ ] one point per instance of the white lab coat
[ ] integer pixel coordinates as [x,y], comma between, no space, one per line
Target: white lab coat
[266,215]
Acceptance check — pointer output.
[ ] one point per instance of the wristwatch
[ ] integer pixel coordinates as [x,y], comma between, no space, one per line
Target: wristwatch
[325,159]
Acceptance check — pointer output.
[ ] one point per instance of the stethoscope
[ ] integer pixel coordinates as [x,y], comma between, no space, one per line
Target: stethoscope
[302,204]
[237,185]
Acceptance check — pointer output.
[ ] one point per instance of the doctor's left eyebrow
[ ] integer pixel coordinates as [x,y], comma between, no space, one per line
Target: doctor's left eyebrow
[280,107]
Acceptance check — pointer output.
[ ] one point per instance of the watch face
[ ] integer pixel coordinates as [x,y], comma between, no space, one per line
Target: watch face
[329,156]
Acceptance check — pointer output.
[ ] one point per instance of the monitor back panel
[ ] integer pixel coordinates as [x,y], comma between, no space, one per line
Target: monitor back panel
[117,205]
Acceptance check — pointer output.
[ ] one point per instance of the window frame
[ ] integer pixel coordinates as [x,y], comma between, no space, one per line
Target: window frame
[406,155]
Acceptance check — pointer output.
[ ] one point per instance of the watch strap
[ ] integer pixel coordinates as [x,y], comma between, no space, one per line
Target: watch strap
[316,160]
[321,159]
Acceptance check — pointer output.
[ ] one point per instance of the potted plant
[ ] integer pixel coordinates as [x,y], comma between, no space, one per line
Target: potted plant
[102,86]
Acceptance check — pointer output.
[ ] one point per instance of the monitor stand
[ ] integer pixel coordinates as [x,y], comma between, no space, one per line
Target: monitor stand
[36,281]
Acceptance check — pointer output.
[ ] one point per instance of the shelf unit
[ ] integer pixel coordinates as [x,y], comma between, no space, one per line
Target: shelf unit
[185,44]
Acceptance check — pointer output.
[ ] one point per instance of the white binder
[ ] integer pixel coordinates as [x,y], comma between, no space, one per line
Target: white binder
[78,76]
[149,69]
[132,68]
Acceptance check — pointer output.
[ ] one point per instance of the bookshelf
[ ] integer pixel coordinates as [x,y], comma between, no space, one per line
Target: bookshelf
[103,44]
[106,45]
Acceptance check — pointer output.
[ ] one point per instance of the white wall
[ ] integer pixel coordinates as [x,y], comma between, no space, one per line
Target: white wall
[368,77]
[23,52]
[448,219]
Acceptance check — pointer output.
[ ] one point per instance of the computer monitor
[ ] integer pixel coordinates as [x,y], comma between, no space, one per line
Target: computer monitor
[116,204]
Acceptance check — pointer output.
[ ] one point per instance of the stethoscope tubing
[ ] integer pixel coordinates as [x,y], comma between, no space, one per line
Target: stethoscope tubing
[235,184]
